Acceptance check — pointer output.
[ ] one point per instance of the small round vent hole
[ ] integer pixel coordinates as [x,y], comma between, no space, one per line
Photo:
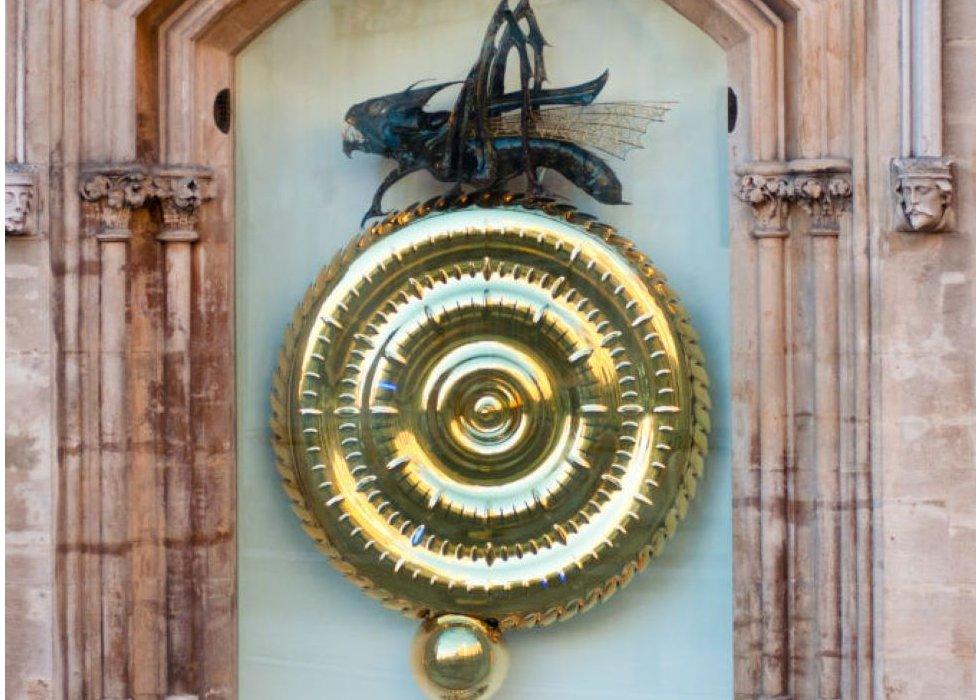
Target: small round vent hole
[733,110]
[221,110]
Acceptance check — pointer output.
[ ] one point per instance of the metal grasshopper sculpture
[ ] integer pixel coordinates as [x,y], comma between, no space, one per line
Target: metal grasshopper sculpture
[492,136]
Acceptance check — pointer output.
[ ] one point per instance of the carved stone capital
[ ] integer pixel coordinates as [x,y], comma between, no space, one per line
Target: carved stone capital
[112,193]
[822,187]
[824,197]
[769,197]
[180,192]
[923,189]
[19,194]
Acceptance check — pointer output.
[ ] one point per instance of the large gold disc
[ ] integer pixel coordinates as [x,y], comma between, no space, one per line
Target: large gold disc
[498,411]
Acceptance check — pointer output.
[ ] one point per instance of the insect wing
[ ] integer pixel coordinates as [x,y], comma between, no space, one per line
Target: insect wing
[613,128]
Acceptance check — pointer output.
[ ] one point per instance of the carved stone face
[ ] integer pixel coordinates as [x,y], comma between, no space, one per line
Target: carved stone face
[17,201]
[923,201]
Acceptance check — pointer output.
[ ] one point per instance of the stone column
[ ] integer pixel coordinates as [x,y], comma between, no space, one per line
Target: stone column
[824,197]
[180,193]
[769,195]
[789,555]
[922,86]
[110,196]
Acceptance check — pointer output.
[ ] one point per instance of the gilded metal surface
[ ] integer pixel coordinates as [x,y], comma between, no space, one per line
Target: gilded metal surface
[492,410]
[455,657]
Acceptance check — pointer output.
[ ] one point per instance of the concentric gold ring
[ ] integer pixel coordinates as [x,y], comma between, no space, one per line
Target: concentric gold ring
[497,411]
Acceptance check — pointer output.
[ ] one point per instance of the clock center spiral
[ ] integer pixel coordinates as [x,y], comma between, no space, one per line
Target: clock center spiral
[483,401]
[490,414]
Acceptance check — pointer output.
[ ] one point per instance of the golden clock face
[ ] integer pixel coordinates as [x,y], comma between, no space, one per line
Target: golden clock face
[498,411]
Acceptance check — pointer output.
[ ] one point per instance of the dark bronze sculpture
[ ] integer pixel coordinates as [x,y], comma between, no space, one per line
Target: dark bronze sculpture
[492,136]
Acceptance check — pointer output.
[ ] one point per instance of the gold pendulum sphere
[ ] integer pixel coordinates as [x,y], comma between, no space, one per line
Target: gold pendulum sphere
[456,657]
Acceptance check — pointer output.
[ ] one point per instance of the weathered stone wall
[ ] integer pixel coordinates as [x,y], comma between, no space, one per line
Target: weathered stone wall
[927,426]
[30,361]
[29,366]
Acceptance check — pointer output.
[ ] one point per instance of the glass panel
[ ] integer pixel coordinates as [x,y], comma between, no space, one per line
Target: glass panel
[304,630]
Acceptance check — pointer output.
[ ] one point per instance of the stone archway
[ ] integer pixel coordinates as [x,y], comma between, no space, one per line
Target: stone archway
[146,491]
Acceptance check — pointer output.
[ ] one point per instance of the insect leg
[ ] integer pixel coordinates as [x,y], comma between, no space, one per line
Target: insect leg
[457,133]
[535,39]
[481,102]
[525,73]
[392,177]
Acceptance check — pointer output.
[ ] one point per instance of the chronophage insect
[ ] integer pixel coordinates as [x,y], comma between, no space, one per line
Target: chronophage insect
[491,136]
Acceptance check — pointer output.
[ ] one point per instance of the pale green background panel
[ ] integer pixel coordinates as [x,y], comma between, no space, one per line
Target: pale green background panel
[305,632]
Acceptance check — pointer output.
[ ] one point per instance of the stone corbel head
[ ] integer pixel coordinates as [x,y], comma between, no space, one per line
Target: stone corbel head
[19,201]
[923,194]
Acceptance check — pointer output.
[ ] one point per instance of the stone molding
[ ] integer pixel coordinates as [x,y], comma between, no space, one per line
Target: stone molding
[821,187]
[923,189]
[111,193]
[21,202]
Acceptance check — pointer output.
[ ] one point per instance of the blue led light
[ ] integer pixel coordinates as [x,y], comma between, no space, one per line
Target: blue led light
[418,535]
[387,385]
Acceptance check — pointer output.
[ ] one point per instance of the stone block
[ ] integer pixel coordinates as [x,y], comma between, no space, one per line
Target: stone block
[916,543]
